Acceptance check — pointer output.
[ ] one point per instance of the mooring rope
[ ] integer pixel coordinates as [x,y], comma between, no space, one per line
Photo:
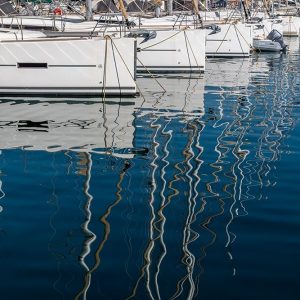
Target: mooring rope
[127,68]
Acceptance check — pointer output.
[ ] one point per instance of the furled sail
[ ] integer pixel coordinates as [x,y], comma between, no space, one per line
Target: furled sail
[110,6]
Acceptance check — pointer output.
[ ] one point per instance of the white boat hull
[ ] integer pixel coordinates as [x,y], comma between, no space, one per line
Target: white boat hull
[68,66]
[233,40]
[172,51]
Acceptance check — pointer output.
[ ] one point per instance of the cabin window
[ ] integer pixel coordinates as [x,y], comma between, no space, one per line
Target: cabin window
[32,65]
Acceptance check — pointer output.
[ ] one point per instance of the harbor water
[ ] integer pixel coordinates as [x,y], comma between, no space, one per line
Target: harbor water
[188,191]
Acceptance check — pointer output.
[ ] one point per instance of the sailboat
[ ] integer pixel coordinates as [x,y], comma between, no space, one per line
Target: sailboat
[72,66]
[31,63]
[180,50]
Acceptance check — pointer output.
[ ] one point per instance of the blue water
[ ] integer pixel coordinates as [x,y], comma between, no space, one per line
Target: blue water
[192,193]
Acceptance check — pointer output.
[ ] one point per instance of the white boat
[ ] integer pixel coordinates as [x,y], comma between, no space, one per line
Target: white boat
[267,35]
[170,51]
[273,42]
[60,66]
[266,45]
[228,40]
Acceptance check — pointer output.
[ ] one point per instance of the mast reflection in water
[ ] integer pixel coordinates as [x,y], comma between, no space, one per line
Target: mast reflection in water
[184,194]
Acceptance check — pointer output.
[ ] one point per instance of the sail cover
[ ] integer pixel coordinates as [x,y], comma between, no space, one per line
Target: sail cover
[6,8]
[111,6]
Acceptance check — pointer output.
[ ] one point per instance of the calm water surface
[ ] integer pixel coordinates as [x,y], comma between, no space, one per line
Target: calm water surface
[192,193]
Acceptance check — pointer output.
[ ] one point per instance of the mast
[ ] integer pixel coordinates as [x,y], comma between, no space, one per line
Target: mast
[245,11]
[170,7]
[89,12]
[196,10]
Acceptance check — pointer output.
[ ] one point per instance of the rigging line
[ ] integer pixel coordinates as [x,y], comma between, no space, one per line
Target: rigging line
[104,73]
[162,41]
[151,75]
[141,94]
[231,15]
[103,97]
[224,37]
[236,29]
[181,5]
[187,49]
[192,50]
[116,68]
[239,40]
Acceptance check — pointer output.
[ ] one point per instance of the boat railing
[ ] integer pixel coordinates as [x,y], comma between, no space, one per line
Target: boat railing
[110,22]
[185,20]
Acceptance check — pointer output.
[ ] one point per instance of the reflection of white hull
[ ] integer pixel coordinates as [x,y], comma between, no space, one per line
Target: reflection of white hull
[227,73]
[184,97]
[65,126]
[266,45]
[68,66]
[233,40]
[172,51]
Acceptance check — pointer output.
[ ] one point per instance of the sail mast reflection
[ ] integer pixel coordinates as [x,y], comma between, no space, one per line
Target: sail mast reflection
[164,115]
[2,194]
[90,235]
[107,229]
